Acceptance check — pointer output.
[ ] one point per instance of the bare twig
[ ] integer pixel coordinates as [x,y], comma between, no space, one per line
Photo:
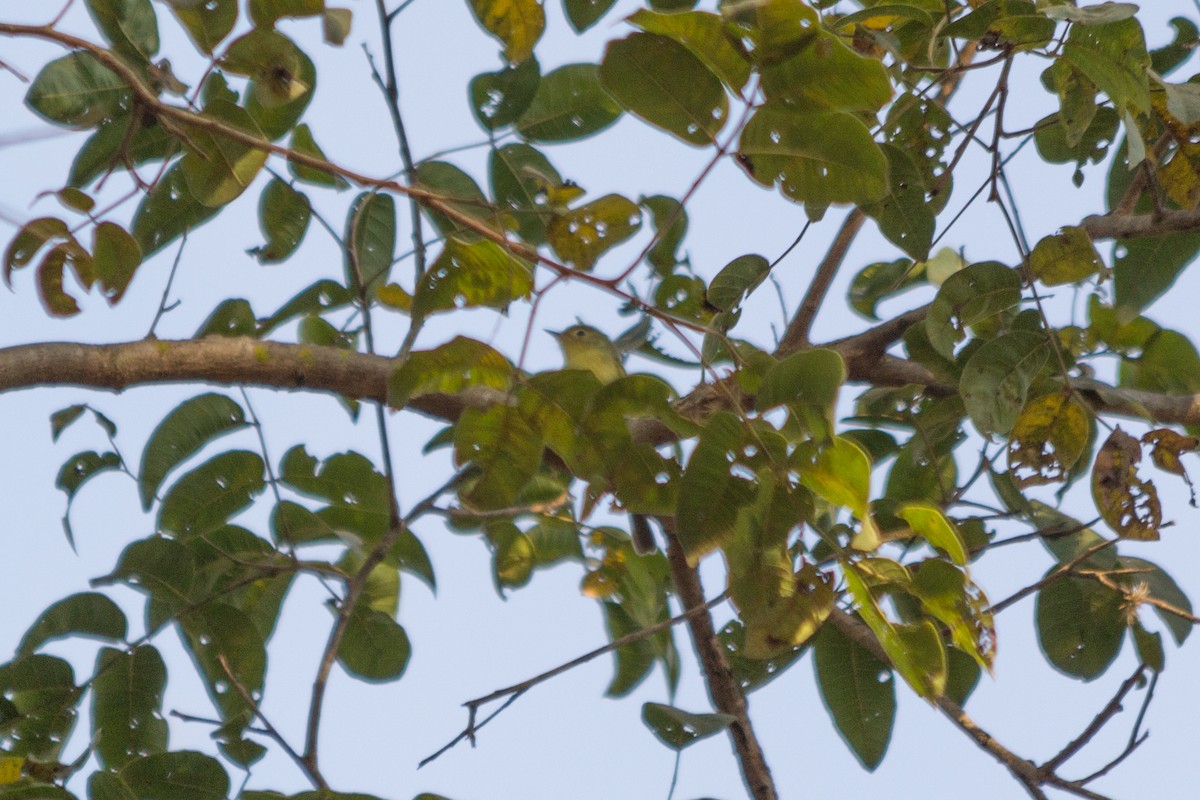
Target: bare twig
[1101,719]
[1135,740]
[1062,570]
[310,769]
[518,689]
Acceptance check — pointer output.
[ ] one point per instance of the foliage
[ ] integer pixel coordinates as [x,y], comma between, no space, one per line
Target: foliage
[850,522]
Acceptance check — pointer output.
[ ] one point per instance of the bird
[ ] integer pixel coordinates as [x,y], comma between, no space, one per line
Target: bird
[587,348]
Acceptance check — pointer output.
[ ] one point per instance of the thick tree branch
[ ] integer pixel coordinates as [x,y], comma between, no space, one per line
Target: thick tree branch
[723,688]
[1137,226]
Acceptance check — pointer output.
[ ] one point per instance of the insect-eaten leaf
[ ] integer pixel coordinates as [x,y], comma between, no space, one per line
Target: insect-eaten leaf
[1047,440]
[1168,446]
[1127,503]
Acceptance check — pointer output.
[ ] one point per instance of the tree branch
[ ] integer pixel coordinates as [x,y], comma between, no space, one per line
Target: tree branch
[1108,712]
[796,335]
[723,688]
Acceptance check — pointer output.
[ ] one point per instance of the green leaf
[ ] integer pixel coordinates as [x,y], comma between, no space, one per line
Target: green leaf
[303,142]
[283,217]
[1113,56]
[370,240]
[266,13]
[63,418]
[82,467]
[232,318]
[41,691]
[968,297]
[160,567]
[129,24]
[459,191]
[516,23]
[880,281]
[87,614]
[77,91]
[498,98]
[1080,625]
[996,379]
[670,222]
[841,475]
[691,105]
[709,494]
[375,647]
[216,168]
[829,76]
[859,692]
[807,381]
[948,595]
[815,158]
[179,775]
[127,695]
[513,556]
[583,14]
[1144,269]
[208,496]
[704,35]
[472,275]
[108,786]
[181,434]
[167,212]
[570,104]
[505,449]
[772,30]
[207,23]
[1162,587]
[905,216]
[522,181]
[931,525]
[678,729]
[736,281]
[223,641]
[324,295]
[115,257]
[1065,257]
[583,234]
[457,365]
[1149,646]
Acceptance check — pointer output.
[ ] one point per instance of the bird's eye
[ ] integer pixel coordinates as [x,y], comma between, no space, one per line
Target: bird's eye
[581,333]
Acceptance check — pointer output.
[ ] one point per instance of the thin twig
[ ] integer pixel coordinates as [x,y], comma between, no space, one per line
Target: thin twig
[1135,740]
[518,689]
[310,769]
[1062,570]
[162,304]
[1099,721]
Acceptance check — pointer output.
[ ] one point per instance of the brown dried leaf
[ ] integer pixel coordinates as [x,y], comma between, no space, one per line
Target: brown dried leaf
[1168,446]
[1127,503]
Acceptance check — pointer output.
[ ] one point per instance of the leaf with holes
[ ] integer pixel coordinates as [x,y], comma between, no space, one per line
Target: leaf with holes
[1127,503]
[1047,439]
[582,235]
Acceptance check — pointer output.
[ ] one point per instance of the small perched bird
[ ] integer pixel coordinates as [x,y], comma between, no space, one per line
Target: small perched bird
[586,348]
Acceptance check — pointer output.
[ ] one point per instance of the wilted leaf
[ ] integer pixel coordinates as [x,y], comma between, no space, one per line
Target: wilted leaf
[1128,504]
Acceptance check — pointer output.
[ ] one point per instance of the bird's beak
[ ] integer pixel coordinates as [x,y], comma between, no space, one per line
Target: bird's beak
[555,334]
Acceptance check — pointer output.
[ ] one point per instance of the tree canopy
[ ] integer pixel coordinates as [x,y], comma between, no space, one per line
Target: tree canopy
[856,474]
